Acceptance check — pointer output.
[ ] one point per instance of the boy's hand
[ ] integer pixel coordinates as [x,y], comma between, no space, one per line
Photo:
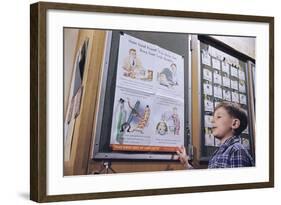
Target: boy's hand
[182,156]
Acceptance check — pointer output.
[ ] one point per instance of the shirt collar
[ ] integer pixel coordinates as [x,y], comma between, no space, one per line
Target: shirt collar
[227,143]
[230,141]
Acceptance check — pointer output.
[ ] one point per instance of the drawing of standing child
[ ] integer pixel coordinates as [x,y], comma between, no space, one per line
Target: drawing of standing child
[176,121]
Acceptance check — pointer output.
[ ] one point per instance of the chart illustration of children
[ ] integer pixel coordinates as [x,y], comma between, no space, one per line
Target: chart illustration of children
[162,128]
[173,68]
[134,69]
[120,119]
[143,121]
[176,121]
[134,112]
[168,76]
[121,123]
[132,64]
[170,122]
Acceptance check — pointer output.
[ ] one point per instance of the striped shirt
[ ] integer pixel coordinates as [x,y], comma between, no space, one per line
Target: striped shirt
[231,154]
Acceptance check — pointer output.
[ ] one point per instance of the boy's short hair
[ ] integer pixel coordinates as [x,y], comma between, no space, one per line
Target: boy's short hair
[235,111]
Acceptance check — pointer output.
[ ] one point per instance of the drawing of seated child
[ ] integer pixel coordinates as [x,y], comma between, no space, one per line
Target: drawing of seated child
[167,76]
[132,64]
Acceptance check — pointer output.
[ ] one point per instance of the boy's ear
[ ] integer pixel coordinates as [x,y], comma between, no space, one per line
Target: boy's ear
[235,123]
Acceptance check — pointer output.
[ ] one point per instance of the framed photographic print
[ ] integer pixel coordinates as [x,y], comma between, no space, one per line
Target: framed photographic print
[122,98]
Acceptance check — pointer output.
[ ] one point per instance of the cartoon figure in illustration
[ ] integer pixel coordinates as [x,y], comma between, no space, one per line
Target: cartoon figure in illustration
[134,113]
[149,75]
[173,68]
[120,119]
[162,128]
[143,121]
[132,64]
[176,121]
[168,76]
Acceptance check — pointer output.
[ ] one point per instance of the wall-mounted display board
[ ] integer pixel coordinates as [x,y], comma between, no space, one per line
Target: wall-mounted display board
[143,111]
[224,76]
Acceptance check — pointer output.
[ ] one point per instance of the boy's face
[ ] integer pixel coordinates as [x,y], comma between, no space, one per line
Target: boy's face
[223,124]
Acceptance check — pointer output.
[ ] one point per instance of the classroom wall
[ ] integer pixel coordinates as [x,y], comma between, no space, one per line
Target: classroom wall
[70,42]
[242,44]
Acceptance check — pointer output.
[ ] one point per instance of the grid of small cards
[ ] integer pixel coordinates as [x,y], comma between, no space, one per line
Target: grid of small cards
[223,79]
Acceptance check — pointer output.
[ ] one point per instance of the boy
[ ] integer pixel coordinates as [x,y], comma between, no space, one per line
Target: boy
[228,122]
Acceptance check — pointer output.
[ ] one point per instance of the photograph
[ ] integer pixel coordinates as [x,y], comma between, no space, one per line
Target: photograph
[144,107]
[140,103]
